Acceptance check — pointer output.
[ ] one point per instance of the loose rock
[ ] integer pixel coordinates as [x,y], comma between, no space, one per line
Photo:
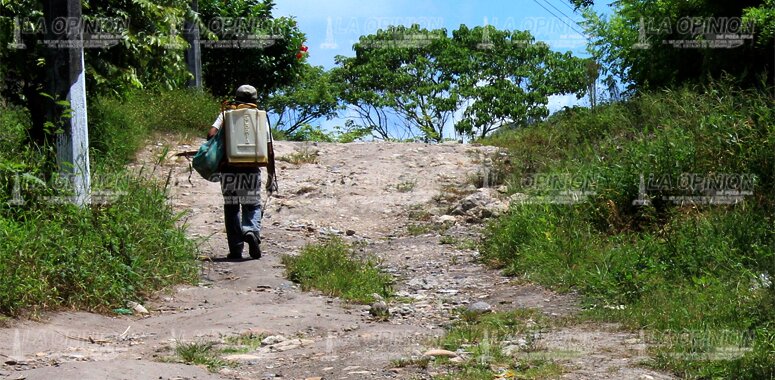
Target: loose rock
[379,309]
[479,307]
[440,353]
[272,339]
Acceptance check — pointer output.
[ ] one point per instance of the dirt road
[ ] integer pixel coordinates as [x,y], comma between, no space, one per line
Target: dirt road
[374,195]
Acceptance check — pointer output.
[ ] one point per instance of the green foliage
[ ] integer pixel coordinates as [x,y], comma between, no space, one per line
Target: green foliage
[485,335]
[144,57]
[201,353]
[333,269]
[302,155]
[425,76]
[120,126]
[508,77]
[403,65]
[763,17]
[664,267]
[13,151]
[95,258]
[245,342]
[350,132]
[309,97]
[268,68]
[649,63]
[306,132]
[152,48]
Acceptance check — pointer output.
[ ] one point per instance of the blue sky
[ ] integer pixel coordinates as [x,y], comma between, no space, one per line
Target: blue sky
[333,26]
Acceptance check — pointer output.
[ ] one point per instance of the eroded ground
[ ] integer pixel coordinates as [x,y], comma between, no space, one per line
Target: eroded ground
[389,200]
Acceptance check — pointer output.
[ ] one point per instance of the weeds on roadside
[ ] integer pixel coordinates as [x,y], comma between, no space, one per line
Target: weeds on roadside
[242,343]
[332,268]
[489,340]
[119,127]
[201,353]
[665,267]
[406,186]
[303,155]
[59,255]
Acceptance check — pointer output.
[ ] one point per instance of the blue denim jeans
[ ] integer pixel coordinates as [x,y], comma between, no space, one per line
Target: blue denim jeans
[241,189]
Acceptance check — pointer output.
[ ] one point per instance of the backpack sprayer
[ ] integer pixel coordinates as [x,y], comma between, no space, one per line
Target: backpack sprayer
[246,140]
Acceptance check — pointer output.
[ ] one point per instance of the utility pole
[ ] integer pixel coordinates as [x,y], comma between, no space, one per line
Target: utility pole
[66,80]
[194,51]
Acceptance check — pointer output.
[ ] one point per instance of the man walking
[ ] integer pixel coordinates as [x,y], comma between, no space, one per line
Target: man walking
[241,189]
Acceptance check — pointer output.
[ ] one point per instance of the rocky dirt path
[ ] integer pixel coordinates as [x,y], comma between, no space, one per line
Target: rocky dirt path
[388,199]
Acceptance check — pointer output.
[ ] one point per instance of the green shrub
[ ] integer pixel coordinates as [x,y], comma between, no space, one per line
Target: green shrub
[332,268]
[665,267]
[94,258]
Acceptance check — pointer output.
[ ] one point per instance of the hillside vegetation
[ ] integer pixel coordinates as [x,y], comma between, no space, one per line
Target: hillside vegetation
[695,274]
[127,244]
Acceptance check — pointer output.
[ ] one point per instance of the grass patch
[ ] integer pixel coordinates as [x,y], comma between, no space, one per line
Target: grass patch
[93,258]
[448,240]
[417,229]
[55,255]
[423,228]
[450,195]
[419,214]
[466,244]
[406,186]
[536,369]
[333,269]
[490,341]
[201,353]
[243,343]
[128,244]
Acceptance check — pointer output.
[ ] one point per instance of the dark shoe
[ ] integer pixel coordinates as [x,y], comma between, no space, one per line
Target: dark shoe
[235,253]
[254,244]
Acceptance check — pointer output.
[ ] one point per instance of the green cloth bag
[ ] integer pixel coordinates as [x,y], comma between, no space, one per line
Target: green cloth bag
[209,156]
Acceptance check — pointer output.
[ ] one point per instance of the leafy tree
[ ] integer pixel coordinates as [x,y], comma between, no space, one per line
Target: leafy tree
[151,52]
[309,97]
[507,77]
[143,56]
[425,77]
[369,103]
[406,65]
[632,43]
[398,71]
[272,58]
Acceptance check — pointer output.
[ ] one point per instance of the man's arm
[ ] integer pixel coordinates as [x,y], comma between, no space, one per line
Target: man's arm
[216,126]
[212,132]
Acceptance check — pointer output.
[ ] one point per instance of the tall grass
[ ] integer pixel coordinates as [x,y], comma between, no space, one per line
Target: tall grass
[121,126]
[94,258]
[55,255]
[333,269]
[699,269]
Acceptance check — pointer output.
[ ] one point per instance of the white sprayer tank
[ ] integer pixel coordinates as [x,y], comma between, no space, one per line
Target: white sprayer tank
[247,133]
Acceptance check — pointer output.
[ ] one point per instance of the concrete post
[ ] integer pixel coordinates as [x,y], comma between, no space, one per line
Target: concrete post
[66,79]
[194,51]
